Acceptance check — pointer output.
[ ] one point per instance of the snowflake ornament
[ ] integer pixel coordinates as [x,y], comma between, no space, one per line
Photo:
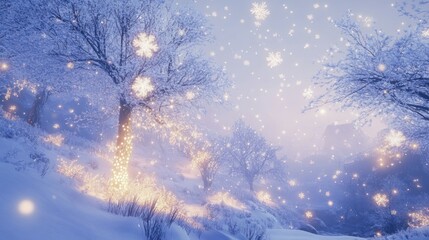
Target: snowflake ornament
[260,11]
[274,59]
[142,86]
[146,45]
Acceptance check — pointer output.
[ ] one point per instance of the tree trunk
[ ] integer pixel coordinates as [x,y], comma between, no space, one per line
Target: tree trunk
[250,181]
[36,109]
[123,148]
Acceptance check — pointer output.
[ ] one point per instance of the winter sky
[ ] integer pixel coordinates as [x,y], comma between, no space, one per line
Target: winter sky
[271,95]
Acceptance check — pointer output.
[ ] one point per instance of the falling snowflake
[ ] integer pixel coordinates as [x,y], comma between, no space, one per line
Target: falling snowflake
[260,11]
[142,86]
[292,183]
[381,200]
[307,93]
[308,214]
[145,45]
[274,59]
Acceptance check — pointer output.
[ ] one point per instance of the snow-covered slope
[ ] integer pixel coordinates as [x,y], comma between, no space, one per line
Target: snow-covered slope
[59,212]
[35,207]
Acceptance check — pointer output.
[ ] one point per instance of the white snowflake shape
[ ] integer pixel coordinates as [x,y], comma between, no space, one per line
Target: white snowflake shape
[142,86]
[274,59]
[145,44]
[307,93]
[260,11]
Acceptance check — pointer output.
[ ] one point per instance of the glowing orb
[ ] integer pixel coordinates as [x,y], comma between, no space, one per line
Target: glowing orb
[381,67]
[26,207]
[4,66]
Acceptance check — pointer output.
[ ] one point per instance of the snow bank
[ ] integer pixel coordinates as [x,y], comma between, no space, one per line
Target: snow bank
[59,213]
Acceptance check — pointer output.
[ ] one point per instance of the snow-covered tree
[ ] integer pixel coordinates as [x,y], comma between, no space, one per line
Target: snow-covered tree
[139,55]
[380,75]
[25,50]
[251,155]
[209,159]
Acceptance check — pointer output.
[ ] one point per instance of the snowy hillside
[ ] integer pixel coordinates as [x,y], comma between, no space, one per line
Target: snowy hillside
[50,207]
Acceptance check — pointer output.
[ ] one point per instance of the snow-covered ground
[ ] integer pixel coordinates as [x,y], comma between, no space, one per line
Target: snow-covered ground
[50,207]
[53,207]
[44,208]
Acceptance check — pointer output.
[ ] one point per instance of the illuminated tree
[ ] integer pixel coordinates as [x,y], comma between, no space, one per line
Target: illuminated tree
[139,56]
[250,154]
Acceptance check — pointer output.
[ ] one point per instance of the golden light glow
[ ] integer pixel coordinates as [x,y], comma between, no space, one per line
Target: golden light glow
[8,94]
[119,180]
[56,140]
[264,197]
[381,199]
[70,65]
[414,146]
[308,214]
[419,219]
[4,66]
[12,108]
[26,207]
[144,189]
[227,199]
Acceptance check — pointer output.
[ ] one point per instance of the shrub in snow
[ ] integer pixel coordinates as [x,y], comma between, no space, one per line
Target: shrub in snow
[154,222]
[253,232]
[21,160]
[10,128]
[238,222]
[39,162]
